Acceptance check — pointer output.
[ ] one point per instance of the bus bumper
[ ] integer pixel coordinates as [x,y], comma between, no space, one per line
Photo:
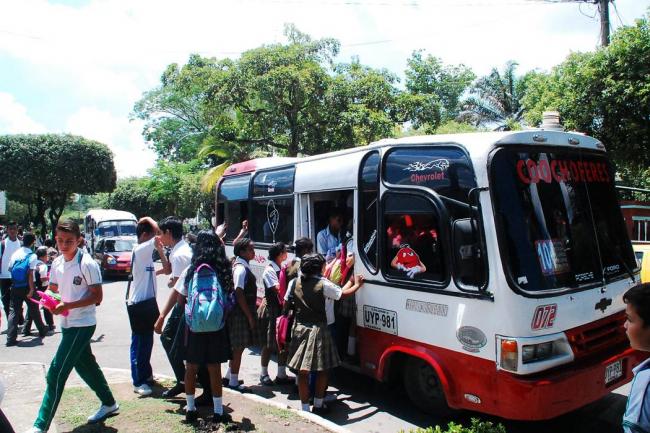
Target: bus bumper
[561,391]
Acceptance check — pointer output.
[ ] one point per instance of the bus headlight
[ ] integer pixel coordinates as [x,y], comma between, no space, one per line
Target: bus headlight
[527,355]
[111,260]
[536,352]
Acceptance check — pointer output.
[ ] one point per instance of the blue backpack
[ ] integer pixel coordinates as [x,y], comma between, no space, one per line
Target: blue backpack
[19,272]
[207,303]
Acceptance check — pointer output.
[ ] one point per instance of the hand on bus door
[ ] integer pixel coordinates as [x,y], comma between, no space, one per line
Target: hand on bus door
[359,280]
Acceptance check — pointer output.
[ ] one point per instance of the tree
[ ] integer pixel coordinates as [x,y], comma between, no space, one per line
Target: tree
[443,85]
[47,169]
[605,94]
[495,100]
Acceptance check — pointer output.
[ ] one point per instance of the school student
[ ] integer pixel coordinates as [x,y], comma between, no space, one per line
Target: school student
[311,347]
[41,273]
[267,313]
[77,278]
[8,246]
[207,344]
[21,266]
[242,321]
[171,229]
[141,303]
[637,327]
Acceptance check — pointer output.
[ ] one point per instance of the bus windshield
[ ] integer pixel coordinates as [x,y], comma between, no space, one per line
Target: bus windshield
[558,219]
[116,228]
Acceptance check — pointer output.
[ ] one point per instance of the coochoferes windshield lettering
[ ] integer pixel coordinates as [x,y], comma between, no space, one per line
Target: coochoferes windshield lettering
[560,170]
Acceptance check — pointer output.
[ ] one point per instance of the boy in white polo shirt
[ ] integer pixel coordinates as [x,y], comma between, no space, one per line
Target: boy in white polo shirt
[77,278]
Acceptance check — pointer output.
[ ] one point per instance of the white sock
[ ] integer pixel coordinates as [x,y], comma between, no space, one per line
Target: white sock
[191,405]
[304,407]
[282,371]
[265,371]
[318,402]
[218,405]
[352,345]
[227,376]
[234,380]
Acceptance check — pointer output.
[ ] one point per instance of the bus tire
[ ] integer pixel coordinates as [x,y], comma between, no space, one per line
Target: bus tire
[424,388]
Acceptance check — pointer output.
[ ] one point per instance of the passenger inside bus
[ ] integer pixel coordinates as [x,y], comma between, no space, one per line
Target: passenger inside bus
[329,238]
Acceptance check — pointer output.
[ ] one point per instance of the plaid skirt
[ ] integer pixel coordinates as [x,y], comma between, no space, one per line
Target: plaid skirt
[239,332]
[312,348]
[346,307]
[266,315]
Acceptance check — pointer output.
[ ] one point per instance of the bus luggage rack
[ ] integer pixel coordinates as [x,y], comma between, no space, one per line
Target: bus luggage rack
[599,336]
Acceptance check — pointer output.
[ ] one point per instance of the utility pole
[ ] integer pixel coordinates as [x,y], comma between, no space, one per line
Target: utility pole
[603,8]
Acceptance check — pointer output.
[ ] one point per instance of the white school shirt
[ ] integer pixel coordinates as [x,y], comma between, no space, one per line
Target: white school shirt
[239,273]
[331,292]
[270,275]
[143,286]
[73,279]
[41,267]
[21,254]
[8,250]
[180,286]
[637,413]
[180,257]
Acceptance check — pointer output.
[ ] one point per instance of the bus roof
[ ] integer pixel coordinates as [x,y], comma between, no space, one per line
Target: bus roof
[110,215]
[478,144]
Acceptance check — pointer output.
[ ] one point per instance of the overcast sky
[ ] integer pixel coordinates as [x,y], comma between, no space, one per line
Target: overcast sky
[78,66]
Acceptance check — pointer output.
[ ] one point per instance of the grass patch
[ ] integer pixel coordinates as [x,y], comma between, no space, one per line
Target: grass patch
[283,414]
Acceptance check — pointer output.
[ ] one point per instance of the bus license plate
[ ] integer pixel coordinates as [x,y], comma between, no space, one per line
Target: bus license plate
[380,319]
[613,371]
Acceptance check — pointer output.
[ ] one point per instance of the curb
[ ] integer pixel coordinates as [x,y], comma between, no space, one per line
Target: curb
[256,398]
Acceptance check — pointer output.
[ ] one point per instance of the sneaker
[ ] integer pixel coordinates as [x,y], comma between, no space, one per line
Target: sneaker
[34,430]
[221,419]
[191,416]
[102,413]
[143,390]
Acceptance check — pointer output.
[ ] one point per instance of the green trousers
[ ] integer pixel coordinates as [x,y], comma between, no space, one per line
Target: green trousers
[73,352]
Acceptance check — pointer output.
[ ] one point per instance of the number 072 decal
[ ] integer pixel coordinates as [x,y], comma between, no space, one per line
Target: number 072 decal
[544,316]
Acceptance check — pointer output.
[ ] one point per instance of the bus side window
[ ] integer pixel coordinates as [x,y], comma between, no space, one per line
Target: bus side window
[412,250]
[233,194]
[368,198]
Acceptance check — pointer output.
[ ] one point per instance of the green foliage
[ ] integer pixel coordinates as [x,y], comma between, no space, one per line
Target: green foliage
[477,426]
[605,94]
[43,171]
[428,76]
[495,100]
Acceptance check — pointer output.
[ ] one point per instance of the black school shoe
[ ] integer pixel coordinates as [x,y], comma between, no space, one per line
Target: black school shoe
[221,419]
[323,410]
[191,416]
[174,390]
[203,400]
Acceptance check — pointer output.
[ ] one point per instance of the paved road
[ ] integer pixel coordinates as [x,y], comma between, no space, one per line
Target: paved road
[364,405]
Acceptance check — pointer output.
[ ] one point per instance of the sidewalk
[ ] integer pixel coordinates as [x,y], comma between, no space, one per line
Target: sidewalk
[25,385]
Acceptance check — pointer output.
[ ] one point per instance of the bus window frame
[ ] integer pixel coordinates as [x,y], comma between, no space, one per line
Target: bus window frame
[374,270]
[248,197]
[446,225]
[252,198]
[498,226]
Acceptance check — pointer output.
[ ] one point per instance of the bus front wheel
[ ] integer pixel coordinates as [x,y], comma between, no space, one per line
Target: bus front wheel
[424,388]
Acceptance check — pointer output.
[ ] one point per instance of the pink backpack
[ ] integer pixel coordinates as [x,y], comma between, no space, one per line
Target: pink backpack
[283,330]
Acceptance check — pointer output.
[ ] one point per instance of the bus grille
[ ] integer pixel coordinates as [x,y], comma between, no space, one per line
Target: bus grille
[598,336]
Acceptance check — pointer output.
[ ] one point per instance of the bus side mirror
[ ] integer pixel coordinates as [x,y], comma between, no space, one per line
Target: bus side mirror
[468,258]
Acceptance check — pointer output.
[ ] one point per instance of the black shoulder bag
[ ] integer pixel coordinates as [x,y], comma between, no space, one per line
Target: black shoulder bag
[142,315]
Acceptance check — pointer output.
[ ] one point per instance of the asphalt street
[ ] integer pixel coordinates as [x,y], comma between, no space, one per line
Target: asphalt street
[362,404]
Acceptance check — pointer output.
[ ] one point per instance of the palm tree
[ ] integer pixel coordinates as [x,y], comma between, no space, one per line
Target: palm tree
[495,100]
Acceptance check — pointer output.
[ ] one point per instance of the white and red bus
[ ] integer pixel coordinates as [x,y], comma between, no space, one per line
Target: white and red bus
[516,306]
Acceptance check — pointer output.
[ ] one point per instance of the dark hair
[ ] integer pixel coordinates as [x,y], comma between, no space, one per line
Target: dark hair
[312,264]
[209,250]
[49,242]
[143,227]
[11,224]
[41,251]
[276,250]
[639,298]
[69,226]
[241,245]
[303,246]
[174,225]
[28,239]
[335,212]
